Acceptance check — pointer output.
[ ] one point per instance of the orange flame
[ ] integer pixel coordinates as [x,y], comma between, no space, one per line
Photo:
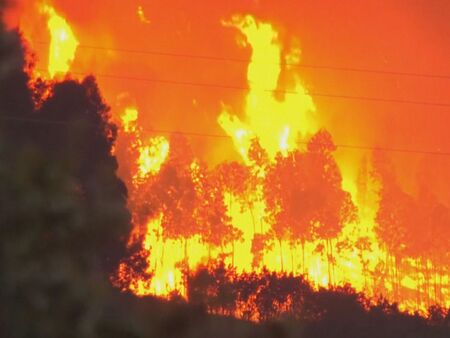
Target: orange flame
[63,43]
[276,122]
[279,123]
[152,156]
[282,116]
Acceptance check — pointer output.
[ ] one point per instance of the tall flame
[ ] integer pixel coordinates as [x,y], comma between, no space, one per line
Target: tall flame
[63,44]
[280,113]
[279,117]
[276,116]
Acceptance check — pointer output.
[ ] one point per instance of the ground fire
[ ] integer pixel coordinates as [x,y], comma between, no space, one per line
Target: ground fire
[286,199]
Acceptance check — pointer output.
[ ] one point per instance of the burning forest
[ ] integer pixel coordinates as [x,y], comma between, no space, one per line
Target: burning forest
[234,183]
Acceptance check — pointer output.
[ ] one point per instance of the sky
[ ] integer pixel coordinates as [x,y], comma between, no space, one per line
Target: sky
[409,36]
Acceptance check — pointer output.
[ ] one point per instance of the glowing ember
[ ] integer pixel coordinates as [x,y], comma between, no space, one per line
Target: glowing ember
[141,15]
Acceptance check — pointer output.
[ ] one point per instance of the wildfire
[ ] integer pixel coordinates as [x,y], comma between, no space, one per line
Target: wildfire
[351,255]
[266,114]
[152,156]
[129,119]
[187,215]
[63,44]
[276,122]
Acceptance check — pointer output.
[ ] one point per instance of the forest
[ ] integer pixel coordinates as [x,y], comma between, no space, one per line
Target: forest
[66,217]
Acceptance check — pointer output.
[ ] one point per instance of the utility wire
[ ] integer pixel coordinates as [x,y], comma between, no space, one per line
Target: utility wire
[198,134]
[235,87]
[238,60]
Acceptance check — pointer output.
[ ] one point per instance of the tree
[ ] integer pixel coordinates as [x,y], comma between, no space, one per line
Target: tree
[304,196]
[63,216]
[51,283]
[336,207]
[210,213]
[394,217]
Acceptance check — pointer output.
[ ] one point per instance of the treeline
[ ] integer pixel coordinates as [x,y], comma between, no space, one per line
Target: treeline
[326,312]
[304,203]
[415,233]
[302,194]
[63,216]
[64,225]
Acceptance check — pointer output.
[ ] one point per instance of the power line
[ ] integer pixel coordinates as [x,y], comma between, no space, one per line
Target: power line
[198,134]
[235,87]
[238,60]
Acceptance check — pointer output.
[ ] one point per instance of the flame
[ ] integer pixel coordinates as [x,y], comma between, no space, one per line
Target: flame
[276,116]
[152,156]
[280,113]
[63,43]
[129,118]
[279,122]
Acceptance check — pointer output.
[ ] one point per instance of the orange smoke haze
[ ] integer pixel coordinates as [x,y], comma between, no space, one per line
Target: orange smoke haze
[374,75]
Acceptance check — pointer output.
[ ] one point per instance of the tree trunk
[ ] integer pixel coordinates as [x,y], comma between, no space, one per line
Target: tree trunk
[209,254]
[397,275]
[186,261]
[186,267]
[427,282]
[303,257]
[232,254]
[333,276]
[281,255]
[418,281]
[292,260]
[328,261]
[163,253]
[253,218]
[435,283]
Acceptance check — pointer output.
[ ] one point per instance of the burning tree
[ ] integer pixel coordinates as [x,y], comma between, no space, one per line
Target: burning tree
[335,207]
[211,213]
[304,196]
[174,193]
[394,217]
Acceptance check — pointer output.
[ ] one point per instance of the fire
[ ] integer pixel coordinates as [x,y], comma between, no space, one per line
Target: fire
[274,114]
[272,121]
[129,119]
[352,255]
[232,220]
[63,44]
[152,156]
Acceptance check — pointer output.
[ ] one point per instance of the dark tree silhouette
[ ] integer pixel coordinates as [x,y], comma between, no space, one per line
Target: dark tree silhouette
[63,218]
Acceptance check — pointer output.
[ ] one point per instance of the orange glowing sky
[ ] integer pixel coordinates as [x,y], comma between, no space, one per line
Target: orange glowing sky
[397,36]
